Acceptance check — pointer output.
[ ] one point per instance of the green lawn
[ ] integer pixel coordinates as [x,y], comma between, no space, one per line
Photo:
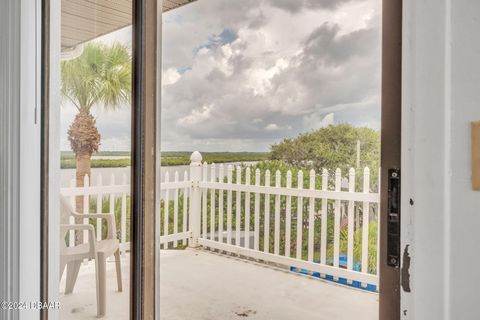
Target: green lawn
[67,159]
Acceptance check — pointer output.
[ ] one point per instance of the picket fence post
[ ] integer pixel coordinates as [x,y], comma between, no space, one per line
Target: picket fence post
[195,197]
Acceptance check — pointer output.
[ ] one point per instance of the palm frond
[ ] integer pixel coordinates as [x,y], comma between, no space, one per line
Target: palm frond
[101,75]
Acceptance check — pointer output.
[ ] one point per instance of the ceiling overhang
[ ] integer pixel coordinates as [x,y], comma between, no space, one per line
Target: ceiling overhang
[84,20]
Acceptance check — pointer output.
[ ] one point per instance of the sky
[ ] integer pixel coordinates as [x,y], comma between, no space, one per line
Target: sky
[242,75]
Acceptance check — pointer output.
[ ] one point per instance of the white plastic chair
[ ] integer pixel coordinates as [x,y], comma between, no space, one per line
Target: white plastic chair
[99,250]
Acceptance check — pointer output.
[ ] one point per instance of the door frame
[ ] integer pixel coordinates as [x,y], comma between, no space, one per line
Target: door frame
[20,159]
[391,147]
[143,111]
[143,254]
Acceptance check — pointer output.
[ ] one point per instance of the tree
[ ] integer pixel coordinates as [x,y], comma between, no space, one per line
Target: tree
[332,147]
[100,76]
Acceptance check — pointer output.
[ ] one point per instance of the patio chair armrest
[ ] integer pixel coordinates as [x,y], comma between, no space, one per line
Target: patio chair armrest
[91,215]
[88,227]
[111,225]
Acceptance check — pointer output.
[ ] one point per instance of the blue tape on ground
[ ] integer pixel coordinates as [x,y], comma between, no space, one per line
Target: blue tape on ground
[343,281]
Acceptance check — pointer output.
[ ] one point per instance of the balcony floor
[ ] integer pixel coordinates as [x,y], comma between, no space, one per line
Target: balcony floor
[198,284]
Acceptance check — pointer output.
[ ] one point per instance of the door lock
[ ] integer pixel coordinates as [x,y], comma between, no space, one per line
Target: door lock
[393,223]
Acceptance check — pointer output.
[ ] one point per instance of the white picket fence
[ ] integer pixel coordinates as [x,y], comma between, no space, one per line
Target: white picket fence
[204,200]
[101,193]
[248,218]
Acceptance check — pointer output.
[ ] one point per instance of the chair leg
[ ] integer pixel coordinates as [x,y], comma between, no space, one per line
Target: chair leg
[101,284]
[72,273]
[118,267]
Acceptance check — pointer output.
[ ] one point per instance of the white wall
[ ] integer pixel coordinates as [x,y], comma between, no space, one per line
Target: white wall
[9,137]
[441,95]
[20,145]
[29,233]
[465,203]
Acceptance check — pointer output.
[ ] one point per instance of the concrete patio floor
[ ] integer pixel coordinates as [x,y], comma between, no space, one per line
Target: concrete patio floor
[82,303]
[201,285]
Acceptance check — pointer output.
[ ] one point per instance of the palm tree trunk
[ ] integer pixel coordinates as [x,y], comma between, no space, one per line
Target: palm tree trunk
[83,169]
[84,140]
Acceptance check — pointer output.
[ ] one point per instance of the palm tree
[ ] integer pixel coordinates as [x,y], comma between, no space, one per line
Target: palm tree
[100,76]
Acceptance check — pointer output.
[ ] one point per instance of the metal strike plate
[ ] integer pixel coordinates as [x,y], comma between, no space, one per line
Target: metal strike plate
[393,228]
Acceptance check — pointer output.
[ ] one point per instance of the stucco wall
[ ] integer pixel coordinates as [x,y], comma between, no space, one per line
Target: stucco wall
[441,96]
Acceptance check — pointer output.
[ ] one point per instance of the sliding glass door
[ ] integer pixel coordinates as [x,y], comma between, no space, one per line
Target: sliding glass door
[89,179]
[280,121]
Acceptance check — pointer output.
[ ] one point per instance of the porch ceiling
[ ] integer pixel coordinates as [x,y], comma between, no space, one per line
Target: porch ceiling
[84,20]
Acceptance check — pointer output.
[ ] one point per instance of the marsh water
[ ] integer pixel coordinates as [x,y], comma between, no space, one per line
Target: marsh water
[118,173]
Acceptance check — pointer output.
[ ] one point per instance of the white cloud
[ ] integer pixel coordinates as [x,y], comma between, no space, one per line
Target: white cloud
[316,121]
[288,68]
[170,76]
[197,116]
[245,74]
[328,120]
[272,127]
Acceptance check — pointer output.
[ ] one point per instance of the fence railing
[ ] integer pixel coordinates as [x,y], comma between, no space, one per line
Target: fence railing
[175,196]
[322,228]
[325,226]
[101,198]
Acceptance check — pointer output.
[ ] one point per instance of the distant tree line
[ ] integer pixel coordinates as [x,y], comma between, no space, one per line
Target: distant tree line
[330,147]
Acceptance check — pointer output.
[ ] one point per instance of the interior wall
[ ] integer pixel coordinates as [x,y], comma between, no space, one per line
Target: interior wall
[29,158]
[441,214]
[20,156]
[465,203]
[9,144]
[424,160]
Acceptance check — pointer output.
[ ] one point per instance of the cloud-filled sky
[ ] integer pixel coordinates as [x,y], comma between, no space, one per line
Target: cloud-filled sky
[242,75]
